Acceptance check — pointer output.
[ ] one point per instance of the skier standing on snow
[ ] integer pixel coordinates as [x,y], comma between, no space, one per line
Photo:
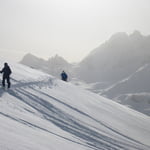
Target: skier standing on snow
[64,76]
[6,75]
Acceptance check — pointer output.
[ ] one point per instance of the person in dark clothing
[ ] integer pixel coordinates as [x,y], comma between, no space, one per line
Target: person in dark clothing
[64,76]
[6,75]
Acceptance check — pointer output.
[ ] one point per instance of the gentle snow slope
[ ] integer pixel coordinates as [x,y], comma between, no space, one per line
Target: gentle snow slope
[43,113]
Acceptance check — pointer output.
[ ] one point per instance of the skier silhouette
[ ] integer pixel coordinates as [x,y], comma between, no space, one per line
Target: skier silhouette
[6,75]
[64,76]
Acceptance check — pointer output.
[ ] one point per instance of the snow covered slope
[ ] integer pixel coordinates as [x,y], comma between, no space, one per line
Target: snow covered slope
[137,82]
[133,91]
[40,112]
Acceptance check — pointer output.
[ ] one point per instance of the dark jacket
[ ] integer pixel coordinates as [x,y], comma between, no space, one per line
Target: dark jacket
[6,71]
[64,76]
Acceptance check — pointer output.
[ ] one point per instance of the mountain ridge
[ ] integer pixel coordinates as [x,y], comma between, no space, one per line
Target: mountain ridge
[115,59]
[41,112]
[54,65]
[109,65]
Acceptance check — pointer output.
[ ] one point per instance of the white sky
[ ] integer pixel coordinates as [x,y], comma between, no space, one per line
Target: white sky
[70,28]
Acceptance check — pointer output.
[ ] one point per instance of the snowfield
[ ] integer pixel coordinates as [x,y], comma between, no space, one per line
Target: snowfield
[133,91]
[41,112]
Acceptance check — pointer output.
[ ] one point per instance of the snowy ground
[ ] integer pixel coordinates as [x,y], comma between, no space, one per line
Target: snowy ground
[133,91]
[40,112]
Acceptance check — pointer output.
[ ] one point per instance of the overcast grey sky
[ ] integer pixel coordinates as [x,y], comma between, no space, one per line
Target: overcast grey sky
[70,28]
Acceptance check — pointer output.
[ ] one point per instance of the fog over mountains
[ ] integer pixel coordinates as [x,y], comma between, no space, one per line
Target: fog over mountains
[116,59]
[53,65]
[118,69]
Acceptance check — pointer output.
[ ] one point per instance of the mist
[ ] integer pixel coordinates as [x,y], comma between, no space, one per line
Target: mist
[69,28]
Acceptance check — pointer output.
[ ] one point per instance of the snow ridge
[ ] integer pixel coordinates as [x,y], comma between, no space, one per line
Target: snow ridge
[46,113]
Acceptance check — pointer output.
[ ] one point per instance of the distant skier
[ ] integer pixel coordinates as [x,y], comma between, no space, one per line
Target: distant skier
[6,75]
[64,76]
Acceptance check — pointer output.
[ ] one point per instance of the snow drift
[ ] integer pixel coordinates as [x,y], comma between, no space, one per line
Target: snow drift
[41,112]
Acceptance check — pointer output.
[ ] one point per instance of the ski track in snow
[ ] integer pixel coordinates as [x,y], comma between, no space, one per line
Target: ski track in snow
[88,136]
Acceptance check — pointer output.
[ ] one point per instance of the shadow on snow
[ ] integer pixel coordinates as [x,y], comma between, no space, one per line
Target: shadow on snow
[68,123]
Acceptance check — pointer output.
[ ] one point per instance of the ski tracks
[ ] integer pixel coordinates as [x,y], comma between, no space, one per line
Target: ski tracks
[89,137]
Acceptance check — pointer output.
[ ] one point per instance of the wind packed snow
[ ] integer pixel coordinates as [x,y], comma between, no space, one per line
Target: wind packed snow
[41,112]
